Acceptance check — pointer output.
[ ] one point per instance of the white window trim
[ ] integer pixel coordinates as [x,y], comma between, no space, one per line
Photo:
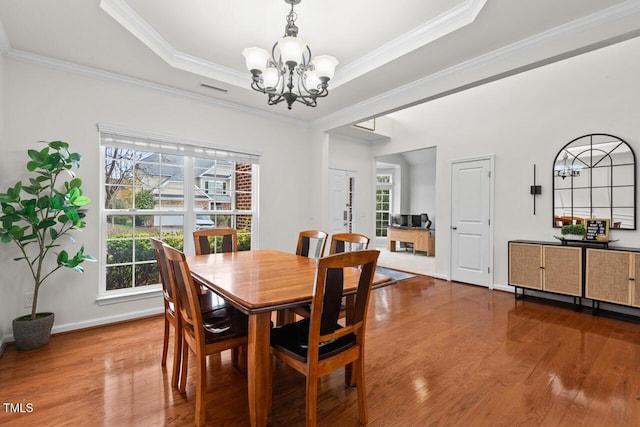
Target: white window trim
[184,147]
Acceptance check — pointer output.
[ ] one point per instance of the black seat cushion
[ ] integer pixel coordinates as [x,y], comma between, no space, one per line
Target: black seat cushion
[294,337]
[210,301]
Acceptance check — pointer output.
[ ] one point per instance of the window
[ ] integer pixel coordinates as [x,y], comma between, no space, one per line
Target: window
[167,190]
[383,204]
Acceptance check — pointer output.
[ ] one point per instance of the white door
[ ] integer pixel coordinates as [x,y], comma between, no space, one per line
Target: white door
[340,206]
[471,253]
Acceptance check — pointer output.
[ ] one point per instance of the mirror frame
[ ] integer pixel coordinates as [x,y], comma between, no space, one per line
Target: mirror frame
[588,142]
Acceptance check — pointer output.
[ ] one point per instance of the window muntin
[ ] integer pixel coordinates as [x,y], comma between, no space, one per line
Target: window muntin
[383,207]
[146,195]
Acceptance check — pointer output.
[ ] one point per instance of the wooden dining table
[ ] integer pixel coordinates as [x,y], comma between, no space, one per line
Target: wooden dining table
[258,282]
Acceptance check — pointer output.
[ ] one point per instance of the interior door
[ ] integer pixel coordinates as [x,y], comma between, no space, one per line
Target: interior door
[471,252]
[340,206]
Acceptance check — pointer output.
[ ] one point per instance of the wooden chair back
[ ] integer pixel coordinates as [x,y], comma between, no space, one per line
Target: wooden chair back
[328,345]
[185,290]
[309,239]
[203,245]
[171,313]
[202,339]
[158,249]
[343,242]
[327,298]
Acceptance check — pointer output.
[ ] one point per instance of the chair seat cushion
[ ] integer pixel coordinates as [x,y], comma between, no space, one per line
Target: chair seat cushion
[294,337]
[210,301]
[219,328]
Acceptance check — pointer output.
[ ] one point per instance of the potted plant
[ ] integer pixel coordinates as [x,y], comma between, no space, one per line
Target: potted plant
[573,232]
[36,217]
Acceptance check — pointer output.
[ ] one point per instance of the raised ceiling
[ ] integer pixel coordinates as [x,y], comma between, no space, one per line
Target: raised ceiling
[391,53]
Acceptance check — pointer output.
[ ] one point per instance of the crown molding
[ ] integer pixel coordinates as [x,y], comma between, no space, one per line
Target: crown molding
[83,70]
[455,18]
[122,13]
[549,37]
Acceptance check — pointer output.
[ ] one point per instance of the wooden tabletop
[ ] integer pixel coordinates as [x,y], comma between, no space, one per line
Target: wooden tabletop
[263,280]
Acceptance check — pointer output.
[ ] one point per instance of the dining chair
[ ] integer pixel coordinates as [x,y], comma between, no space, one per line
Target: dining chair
[311,239]
[211,306]
[200,335]
[340,242]
[204,246]
[318,345]
[343,242]
[170,315]
[307,240]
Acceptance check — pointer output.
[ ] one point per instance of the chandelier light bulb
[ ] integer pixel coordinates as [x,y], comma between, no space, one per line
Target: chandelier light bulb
[312,82]
[270,78]
[256,58]
[291,49]
[325,66]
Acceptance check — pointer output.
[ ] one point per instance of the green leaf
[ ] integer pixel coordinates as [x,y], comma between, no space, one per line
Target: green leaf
[71,213]
[28,237]
[56,204]
[57,145]
[81,201]
[53,233]
[44,202]
[75,182]
[35,155]
[48,222]
[73,194]
[63,257]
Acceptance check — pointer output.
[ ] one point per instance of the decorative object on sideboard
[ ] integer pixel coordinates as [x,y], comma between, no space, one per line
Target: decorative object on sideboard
[36,217]
[597,229]
[573,232]
[290,73]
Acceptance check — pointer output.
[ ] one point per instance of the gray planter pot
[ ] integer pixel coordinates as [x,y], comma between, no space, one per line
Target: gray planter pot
[31,334]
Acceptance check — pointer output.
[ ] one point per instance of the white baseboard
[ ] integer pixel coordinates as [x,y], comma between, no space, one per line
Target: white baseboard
[505,288]
[94,322]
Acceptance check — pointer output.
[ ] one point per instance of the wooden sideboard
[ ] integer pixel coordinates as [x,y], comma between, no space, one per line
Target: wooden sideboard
[421,238]
[609,275]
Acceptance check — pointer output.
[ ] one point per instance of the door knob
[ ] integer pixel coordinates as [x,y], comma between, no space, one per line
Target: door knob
[453,227]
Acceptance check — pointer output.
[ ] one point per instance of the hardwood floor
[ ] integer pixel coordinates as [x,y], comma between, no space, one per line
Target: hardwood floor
[438,354]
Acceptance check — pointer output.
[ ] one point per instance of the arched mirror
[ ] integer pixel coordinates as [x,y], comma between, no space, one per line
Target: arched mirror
[594,176]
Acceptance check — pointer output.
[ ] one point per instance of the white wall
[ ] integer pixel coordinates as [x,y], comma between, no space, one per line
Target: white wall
[43,104]
[524,120]
[423,186]
[401,183]
[348,154]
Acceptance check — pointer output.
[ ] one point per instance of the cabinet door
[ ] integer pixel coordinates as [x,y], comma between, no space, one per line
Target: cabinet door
[635,284]
[608,276]
[421,241]
[525,265]
[562,270]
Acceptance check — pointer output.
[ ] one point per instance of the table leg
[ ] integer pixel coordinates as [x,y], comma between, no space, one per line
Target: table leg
[259,368]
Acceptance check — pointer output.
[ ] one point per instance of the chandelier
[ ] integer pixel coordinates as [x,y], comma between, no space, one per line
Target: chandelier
[289,73]
[563,169]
